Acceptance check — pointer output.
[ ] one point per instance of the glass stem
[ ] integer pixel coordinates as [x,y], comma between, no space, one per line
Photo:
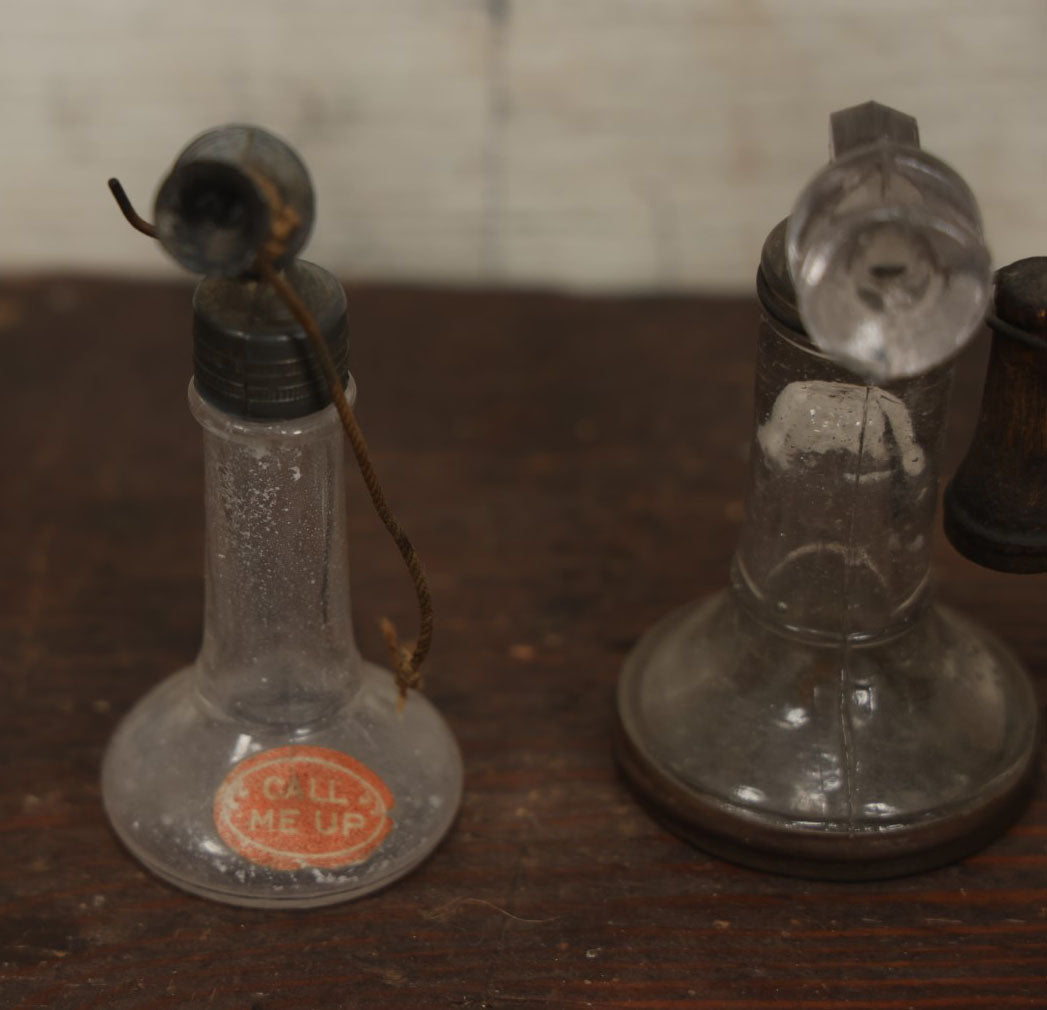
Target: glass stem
[278,645]
[843,487]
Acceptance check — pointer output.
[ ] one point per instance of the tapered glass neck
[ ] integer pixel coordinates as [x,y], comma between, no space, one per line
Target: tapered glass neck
[843,489]
[278,645]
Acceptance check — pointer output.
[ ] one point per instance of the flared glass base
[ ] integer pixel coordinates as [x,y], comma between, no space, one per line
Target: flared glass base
[279,815]
[848,760]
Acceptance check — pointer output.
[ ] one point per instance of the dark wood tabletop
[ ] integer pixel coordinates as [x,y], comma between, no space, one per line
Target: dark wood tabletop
[571,470]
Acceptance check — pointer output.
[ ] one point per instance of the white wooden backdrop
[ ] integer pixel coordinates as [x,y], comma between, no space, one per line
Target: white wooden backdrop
[640,144]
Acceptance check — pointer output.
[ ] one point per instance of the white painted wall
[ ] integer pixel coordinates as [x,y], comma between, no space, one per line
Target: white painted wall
[592,143]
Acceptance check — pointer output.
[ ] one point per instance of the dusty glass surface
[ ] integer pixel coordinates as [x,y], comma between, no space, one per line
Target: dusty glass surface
[823,715]
[823,707]
[279,674]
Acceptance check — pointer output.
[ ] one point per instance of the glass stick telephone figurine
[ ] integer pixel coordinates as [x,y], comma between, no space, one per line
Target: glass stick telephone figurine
[280,768]
[824,715]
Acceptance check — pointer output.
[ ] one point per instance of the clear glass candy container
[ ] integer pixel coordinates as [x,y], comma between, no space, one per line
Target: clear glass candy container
[279,770]
[823,715]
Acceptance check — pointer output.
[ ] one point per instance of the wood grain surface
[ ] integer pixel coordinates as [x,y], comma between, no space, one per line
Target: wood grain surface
[570,470]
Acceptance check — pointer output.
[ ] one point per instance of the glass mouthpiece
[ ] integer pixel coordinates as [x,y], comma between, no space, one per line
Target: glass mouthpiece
[886,253]
[214,211]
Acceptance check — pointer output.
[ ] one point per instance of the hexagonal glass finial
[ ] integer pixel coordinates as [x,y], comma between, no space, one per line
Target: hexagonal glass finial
[885,249]
[870,123]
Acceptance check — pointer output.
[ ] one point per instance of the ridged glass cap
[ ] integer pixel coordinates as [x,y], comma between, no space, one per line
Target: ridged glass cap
[250,356]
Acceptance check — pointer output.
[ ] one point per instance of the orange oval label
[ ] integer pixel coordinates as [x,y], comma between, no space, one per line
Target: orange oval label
[294,807]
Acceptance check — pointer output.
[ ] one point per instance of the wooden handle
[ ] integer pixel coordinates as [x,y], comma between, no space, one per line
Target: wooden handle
[996,505]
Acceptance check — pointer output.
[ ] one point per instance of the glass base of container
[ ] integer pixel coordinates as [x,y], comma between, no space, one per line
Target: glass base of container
[253,814]
[825,759]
